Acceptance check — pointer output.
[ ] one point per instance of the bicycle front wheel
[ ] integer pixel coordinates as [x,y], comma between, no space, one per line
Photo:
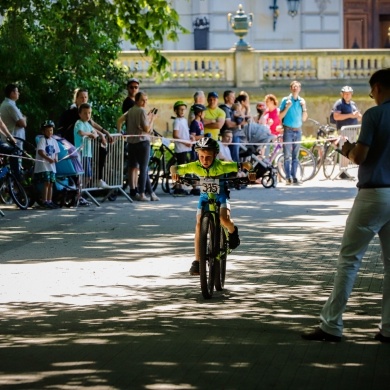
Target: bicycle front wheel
[207,255]
[17,193]
[220,263]
[5,196]
[318,151]
[154,172]
[330,161]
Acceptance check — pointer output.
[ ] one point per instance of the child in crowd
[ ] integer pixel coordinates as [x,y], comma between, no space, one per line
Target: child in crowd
[83,128]
[196,126]
[238,115]
[45,165]
[224,151]
[209,166]
[183,147]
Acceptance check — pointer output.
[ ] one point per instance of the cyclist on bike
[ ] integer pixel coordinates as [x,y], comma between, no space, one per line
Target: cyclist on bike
[10,149]
[208,165]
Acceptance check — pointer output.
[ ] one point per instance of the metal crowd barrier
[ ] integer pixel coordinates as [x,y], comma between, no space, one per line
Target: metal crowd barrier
[112,160]
[351,133]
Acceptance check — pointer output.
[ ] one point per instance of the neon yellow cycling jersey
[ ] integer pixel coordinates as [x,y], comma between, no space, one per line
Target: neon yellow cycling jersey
[217,168]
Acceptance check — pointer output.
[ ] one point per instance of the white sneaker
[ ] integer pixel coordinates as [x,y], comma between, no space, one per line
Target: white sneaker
[154,197]
[103,184]
[142,198]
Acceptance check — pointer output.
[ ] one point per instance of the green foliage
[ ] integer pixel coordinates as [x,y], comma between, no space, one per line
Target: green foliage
[309,142]
[51,47]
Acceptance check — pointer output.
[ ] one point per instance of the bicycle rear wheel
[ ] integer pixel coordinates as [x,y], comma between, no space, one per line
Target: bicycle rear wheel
[17,192]
[207,260]
[220,264]
[306,165]
[330,161]
[167,183]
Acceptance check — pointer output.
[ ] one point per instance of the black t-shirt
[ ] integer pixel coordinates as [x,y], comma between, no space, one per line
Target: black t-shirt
[127,104]
[66,123]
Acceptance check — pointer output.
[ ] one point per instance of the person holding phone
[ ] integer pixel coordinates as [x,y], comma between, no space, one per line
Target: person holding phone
[139,125]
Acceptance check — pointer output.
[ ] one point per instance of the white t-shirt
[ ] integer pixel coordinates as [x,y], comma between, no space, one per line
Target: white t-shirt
[224,152]
[51,148]
[181,126]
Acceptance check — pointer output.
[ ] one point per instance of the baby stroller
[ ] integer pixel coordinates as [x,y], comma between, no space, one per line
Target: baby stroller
[255,134]
[65,189]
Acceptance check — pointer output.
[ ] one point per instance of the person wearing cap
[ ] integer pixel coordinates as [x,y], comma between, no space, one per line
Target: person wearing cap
[345,111]
[132,88]
[45,164]
[293,113]
[214,117]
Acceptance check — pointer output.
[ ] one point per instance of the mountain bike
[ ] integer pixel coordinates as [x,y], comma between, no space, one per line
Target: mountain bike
[325,149]
[10,188]
[161,160]
[214,237]
[306,163]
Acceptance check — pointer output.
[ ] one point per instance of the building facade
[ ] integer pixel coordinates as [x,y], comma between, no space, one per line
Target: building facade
[318,24]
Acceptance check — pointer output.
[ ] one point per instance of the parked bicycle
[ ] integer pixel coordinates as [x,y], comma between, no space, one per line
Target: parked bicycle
[161,160]
[10,187]
[325,149]
[306,162]
[214,237]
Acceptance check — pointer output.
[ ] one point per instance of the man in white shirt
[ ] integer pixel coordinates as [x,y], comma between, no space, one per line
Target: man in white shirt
[11,115]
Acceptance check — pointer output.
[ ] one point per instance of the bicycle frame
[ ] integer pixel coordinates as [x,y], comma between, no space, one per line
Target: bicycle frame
[159,164]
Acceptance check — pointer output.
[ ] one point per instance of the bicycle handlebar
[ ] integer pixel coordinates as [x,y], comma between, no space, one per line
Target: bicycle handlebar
[240,180]
[156,133]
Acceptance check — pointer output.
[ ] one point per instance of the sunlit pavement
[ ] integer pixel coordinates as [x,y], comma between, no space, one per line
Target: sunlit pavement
[101,298]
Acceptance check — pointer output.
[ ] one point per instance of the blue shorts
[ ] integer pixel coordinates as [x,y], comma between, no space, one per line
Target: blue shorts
[221,198]
[45,177]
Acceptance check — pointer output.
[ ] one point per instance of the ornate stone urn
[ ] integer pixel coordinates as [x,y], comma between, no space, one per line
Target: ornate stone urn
[240,23]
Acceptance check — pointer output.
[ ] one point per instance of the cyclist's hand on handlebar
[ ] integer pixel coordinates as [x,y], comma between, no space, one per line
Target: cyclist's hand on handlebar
[11,140]
[175,177]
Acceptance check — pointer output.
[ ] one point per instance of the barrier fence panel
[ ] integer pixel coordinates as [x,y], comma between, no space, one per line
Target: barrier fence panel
[106,163]
[351,133]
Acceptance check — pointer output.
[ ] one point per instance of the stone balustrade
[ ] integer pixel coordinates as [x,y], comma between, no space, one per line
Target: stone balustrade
[253,68]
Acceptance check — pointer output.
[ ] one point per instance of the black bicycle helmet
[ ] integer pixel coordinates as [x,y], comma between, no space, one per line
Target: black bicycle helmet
[48,123]
[198,108]
[206,143]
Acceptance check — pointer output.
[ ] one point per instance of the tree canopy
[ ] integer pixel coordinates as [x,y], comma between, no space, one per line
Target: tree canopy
[51,47]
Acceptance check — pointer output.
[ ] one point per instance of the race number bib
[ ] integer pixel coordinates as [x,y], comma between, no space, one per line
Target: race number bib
[209,185]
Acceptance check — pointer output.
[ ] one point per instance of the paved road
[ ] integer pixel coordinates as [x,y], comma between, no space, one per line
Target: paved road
[101,298]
